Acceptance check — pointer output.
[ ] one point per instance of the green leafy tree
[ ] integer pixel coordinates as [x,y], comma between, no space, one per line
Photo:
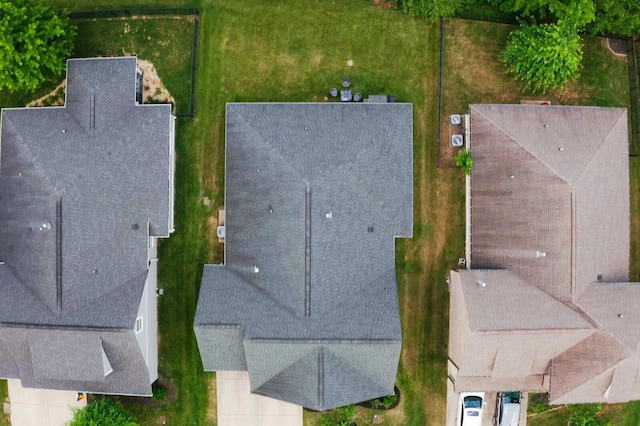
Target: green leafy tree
[616,16]
[35,43]
[543,56]
[103,412]
[432,10]
[576,13]
[464,161]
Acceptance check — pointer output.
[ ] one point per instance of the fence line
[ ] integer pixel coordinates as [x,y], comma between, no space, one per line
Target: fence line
[130,13]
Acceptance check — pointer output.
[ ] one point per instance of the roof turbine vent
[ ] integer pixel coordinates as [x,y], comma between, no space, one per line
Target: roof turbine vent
[481,283]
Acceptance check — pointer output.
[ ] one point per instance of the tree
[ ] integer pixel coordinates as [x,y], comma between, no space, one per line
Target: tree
[616,16]
[102,412]
[464,161]
[543,56]
[432,10]
[35,43]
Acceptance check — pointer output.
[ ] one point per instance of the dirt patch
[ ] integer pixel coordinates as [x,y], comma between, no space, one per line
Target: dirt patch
[53,98]
[172,394]
[154,90]
[382,4]
[212,237]
[127,28]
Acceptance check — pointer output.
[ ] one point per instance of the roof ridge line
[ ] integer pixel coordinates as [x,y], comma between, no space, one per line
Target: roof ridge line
[604,142]
[272,149]
[233,271]
[517,142]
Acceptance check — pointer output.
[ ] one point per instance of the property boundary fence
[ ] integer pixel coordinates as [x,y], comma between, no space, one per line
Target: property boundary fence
[130,13]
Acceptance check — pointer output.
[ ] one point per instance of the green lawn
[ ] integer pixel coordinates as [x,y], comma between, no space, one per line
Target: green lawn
[164,41]
[4,393]
[266,50]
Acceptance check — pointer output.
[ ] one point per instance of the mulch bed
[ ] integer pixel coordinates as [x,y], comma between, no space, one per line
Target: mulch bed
[172,394]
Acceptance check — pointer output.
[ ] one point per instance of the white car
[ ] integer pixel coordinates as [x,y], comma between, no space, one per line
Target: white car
[507,409]
[471,409]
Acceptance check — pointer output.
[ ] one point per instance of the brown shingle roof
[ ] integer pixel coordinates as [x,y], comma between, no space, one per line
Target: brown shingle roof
[550,218]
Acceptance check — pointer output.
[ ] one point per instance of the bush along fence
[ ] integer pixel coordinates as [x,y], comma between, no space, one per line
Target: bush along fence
[131,13]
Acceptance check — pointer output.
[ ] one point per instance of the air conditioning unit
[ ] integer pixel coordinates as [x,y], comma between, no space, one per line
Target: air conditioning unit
[454,118]
[457,140]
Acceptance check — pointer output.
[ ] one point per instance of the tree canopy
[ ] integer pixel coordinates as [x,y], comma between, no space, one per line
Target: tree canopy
[103,412]
[35,43]
[543,56]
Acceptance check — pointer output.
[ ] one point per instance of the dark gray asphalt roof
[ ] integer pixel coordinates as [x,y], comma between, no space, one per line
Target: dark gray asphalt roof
[315,196]
[82,187]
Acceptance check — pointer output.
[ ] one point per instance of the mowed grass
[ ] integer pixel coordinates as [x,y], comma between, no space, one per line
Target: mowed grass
[4,394]
[163,41]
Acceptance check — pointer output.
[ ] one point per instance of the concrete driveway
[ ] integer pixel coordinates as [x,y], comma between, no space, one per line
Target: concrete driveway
[42,407]
[237,406]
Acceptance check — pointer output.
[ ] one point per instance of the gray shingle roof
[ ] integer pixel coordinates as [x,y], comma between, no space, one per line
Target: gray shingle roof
[315,196]
[550,206]
[82,187]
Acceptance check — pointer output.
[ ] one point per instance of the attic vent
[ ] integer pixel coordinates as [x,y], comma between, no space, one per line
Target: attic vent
[138,325]
[457,140]
[481,283]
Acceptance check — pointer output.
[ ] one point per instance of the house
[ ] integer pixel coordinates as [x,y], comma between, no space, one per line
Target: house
[85,192]
[545,303]
[306,301]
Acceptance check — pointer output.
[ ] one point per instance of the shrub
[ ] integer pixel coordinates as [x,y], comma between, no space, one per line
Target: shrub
[464,161]
[103,412]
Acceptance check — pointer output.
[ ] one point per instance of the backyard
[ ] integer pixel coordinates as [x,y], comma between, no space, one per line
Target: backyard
[265,50]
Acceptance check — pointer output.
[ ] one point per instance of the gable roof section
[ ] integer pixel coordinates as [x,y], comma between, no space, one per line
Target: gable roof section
[82,187]
[541,184]
[315,195]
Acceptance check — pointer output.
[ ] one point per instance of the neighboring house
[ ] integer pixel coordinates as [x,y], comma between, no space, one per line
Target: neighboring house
[545,303]
[306,302]
[85,191]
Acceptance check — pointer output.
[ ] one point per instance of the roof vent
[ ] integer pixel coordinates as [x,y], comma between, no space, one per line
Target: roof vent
[512,177]
[270,208]
[457,140]
[454,118]
[64,131]
[135,226]
[541,253]
[370,229]
[545,125]
[561,149]
[599,277]
[255,269]
[95,271]
[329,215]
[45,226]
[620,316]
[481,283]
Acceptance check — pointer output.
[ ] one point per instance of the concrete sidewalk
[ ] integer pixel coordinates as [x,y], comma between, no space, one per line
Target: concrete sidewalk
[237,406]
[42,407]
